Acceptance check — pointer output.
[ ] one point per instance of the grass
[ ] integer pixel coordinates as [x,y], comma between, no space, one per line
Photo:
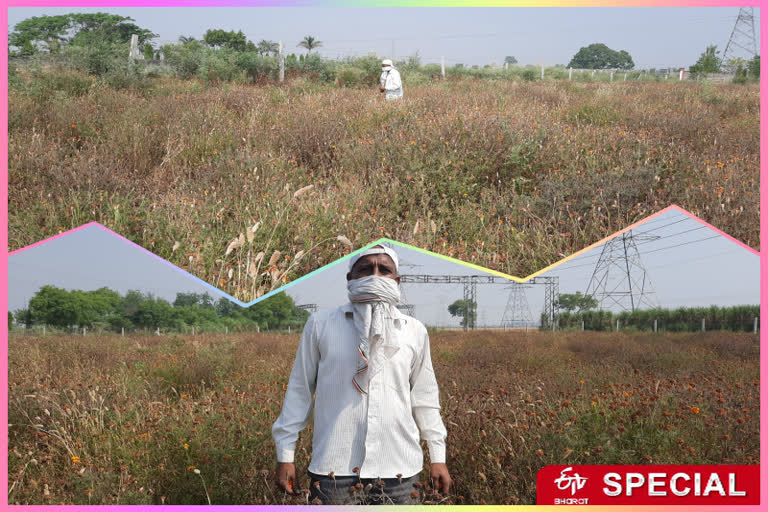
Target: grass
[508,175]
[111,420]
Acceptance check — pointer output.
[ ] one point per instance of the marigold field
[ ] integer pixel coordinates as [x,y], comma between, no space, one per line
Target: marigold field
[185,420]
[250,187]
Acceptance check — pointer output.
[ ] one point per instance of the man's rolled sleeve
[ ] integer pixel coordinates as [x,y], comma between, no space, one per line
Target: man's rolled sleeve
[297,404]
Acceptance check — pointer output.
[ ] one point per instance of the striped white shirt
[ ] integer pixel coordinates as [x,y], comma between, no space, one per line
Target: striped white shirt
[378,432]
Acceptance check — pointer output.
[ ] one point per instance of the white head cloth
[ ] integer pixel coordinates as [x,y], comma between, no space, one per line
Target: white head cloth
[374,299]
[379,249]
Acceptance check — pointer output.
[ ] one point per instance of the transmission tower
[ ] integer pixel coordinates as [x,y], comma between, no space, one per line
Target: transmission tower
[620,279]
[405,306]
[742,37]
[470,300]
[517,313]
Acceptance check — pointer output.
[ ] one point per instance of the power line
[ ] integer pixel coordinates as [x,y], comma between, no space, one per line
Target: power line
[646,252]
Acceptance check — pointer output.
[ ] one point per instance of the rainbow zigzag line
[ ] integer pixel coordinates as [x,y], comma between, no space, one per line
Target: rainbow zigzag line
[395,243]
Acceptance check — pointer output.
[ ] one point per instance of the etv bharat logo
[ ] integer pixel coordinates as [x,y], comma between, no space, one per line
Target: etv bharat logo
[576,482]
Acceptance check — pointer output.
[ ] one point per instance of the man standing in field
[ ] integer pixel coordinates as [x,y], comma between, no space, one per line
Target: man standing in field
[389,82]
[370,370]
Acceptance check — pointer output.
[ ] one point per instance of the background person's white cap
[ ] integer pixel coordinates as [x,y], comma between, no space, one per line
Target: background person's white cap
[377,250]
[386,62]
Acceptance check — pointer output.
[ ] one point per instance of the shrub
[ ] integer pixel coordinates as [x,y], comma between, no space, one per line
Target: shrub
[350,76]
[220,66]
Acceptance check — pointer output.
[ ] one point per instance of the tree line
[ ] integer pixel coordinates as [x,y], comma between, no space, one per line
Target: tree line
[734,318]
[106,309]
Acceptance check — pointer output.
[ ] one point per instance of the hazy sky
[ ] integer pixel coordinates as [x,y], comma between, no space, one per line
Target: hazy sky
[89,259]
[688,265]
[655,37]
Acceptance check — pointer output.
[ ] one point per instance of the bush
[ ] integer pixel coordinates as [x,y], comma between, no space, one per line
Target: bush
[184,59]
[97,59]
[416,78]
[220,66]
[529,75]
[257,66]
[350,76]
[43,85]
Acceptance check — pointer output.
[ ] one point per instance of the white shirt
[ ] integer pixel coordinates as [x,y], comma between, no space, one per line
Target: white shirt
[390,80]
[378,432]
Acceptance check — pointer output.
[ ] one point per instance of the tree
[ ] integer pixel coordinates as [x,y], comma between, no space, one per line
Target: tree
[103,28]
[310,43]
[739,68]
[24,317]
[218,38]
[50,31]
[509,59]
[576,301]
[148,51]
[464,308]
[79,29]
[753,67]
[708,62]
[599,56]
[267,47]
[53,306]
[188,40]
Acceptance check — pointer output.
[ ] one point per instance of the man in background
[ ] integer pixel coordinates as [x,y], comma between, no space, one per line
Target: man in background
[369,367]
[389,82]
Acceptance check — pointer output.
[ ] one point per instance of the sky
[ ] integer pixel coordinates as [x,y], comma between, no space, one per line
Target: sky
[662,37]
[686,263]
[89,259]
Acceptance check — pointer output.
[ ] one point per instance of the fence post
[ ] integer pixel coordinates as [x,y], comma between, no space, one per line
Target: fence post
[570,73]
[682,73]
[593,73]
[281,59]
[703,324]
[226,330]
[193,330]
[617,325]
[134,48]
[43,329]
[754,326]
[625,77]
[612,72]
[83,331]
[542,71]
[442,66]
[655,324]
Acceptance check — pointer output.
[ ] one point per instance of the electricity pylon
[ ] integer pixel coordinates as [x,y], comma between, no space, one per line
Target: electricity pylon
[619,278]
[517,312]
[742,36]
